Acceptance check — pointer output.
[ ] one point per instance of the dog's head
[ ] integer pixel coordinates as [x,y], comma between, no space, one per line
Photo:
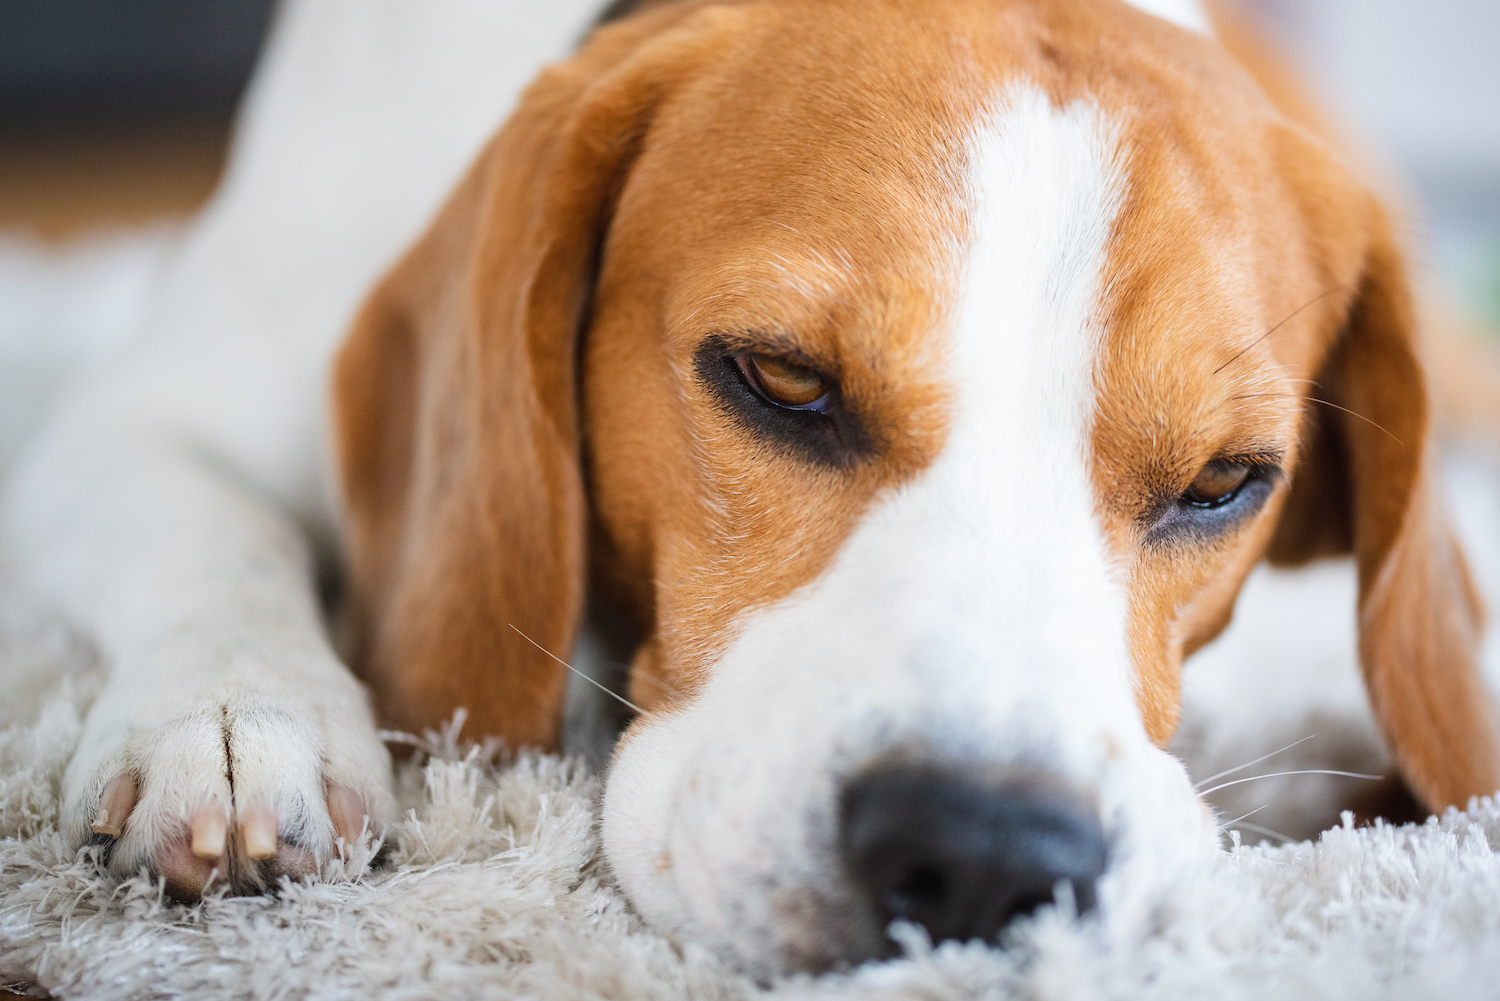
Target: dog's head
[922,380]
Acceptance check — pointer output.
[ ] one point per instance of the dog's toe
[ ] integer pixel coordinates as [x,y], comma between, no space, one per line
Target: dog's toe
[209,830]
[186,874]
[234,794]
[348,811]
[115,804]
[258,833]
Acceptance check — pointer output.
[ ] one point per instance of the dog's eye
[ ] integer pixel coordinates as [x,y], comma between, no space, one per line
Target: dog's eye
[1217,484]
[784,383]
[1225,493]
[782,402]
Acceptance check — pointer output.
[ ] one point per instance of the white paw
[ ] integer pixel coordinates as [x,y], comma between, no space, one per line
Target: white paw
[240,781]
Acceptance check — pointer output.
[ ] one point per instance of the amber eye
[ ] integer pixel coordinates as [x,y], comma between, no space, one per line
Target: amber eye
[1217,483]
[783,383]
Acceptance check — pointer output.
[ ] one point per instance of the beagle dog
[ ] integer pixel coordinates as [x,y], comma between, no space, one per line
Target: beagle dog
[911,383]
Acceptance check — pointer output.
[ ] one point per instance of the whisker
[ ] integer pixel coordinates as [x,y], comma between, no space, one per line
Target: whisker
[1230,823]
[585,677]
[1299,771]
[643,676]
[618,668]
[1317,298]
[1239,768]
[1326,403]
[1257,829]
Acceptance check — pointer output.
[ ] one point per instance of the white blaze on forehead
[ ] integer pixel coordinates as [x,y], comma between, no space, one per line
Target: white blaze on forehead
[973,613]
[1187,14]
[1045,186]
[1002,530]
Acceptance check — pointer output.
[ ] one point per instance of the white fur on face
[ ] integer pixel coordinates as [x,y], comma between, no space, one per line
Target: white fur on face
[972,617]
[1187,14]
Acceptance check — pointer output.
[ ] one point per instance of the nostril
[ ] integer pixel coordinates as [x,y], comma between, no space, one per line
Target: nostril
[964,857]
[915,892]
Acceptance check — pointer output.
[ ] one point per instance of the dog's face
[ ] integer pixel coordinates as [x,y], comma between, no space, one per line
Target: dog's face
[941,379]
[930,419]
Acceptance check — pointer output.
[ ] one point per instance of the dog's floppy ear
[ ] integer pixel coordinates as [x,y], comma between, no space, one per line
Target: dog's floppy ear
[455,414]
[1367,482]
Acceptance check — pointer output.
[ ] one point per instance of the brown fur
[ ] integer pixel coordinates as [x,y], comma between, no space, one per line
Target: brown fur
[735,171]
[458,427]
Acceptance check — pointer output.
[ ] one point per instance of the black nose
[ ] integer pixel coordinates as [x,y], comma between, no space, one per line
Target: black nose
[961,856]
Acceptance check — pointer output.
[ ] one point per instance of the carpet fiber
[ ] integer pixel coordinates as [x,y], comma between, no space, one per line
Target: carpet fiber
[492,887]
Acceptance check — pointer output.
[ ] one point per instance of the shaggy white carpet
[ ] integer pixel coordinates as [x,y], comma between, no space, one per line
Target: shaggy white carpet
[493,887]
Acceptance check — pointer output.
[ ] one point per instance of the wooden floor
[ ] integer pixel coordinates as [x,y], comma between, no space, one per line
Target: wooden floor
[56,183]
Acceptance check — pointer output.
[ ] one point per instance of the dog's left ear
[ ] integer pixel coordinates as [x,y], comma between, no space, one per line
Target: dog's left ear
[1368,483]
[455,406]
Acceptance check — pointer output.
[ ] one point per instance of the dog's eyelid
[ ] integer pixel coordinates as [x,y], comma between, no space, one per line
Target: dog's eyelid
[1176,515]
[783,349]
[1217,484]
[1262,464]
[786,383]
[1220,480]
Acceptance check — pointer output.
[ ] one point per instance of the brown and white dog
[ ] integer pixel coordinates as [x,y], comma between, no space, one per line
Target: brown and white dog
[915,383]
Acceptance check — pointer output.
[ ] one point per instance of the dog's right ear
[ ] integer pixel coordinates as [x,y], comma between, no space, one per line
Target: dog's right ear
[454,405]
[1367,484]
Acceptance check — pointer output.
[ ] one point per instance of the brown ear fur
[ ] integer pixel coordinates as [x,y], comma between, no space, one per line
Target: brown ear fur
[456,419]
[1366,483]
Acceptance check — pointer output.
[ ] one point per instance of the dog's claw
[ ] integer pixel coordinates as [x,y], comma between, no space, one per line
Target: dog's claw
[258,832]
[115,804]
[347,810]
[210,831]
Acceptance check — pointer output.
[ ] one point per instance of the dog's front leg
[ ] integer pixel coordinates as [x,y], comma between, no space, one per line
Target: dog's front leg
[230,743]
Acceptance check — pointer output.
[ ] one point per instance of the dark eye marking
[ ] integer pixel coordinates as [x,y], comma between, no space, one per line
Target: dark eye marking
[1225,494]
[782,400]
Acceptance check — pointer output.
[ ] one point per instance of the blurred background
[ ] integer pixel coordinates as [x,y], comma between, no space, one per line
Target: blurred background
[115,117]
[115,111]
[1419,82]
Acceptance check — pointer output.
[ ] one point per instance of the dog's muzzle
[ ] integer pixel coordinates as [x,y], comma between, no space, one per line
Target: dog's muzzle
[962,855]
